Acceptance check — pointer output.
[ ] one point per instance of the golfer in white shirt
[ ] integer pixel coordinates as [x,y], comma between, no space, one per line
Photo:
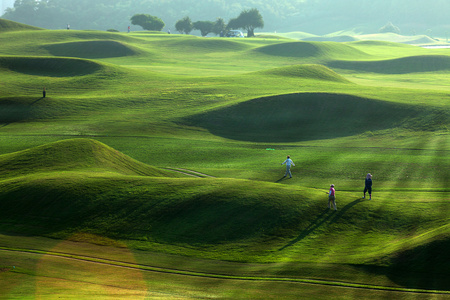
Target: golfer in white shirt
[288,163]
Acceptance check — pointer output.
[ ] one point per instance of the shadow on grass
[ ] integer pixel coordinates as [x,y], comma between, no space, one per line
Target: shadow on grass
[283,178]
[322,219]
[11,112]
[302,117]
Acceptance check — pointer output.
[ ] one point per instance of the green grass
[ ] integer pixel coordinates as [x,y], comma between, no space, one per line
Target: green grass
[7,25]
[89,166]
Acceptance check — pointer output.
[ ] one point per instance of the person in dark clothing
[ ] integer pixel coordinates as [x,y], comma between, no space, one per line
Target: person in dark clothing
[44,93]
[332,197]
[368,186]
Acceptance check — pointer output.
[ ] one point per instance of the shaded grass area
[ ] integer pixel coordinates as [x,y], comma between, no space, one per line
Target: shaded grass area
[404,65]
[91,49]
[300,117]
[310,49]
[49,66]
[316,72]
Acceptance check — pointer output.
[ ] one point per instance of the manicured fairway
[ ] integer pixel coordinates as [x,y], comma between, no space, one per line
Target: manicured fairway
[152,168]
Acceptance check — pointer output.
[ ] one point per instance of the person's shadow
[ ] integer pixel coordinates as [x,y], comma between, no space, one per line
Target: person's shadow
[281,179]
[324,217]
[36,101]
[19,118]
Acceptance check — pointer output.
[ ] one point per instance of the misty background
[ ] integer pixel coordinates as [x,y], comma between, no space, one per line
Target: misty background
[319,17]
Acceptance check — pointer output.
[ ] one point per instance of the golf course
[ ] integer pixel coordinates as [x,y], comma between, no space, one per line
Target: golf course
[152,168]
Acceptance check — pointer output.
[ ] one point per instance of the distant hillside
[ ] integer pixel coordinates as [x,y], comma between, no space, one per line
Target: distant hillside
[7,25]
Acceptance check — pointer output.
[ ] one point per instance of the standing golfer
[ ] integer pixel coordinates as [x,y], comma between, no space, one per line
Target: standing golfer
[332,197]
[368,186]
[288,163]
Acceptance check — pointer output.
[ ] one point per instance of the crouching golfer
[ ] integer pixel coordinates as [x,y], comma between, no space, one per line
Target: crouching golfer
[332,197]
[288,163]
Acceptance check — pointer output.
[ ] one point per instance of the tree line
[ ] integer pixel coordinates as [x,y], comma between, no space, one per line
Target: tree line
[313,16]
[248,20]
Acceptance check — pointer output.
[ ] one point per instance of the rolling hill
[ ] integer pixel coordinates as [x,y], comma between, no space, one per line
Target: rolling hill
[300,117]
[7,25]
[91,162]
[81,186]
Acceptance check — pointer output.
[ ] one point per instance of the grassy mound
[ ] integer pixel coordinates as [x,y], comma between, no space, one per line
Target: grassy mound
[300,117]
[202,45]
[73,155]
[339,38]
[428,258]
[7,25]
[194,211]
[49,66]
[404,65]
[91,49]
[318,72]
[310,50]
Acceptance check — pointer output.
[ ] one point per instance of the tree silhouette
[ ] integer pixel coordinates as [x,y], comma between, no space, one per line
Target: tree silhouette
[147,22]
[184,25]
[205,27]
[247,20]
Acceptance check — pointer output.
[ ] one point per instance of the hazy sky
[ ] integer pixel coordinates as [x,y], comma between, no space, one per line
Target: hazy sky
[6,4]
[313,16]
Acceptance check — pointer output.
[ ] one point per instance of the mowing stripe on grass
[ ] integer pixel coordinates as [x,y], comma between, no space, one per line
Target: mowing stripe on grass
[221,276]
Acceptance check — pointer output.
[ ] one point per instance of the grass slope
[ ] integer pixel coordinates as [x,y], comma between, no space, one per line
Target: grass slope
[405,65]
[49,66]
[307,116]
[310,49]
[7,25]
[217,106]
[102,192]
[317,72]
[73,155]
[91,49]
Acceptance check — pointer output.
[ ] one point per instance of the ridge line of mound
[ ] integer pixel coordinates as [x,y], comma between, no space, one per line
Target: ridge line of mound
[310,71]
[91,49]
[303,49]
[8,25]
[49,66]
[403,65]
[74,155]
[303,116]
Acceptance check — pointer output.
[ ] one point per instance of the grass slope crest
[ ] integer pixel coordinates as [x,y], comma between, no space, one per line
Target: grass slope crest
[91,49]
[322,50]
[202,45]
[404,65]
[7,25]
[306,71]
[49,66]
[73,155]
[302,116]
